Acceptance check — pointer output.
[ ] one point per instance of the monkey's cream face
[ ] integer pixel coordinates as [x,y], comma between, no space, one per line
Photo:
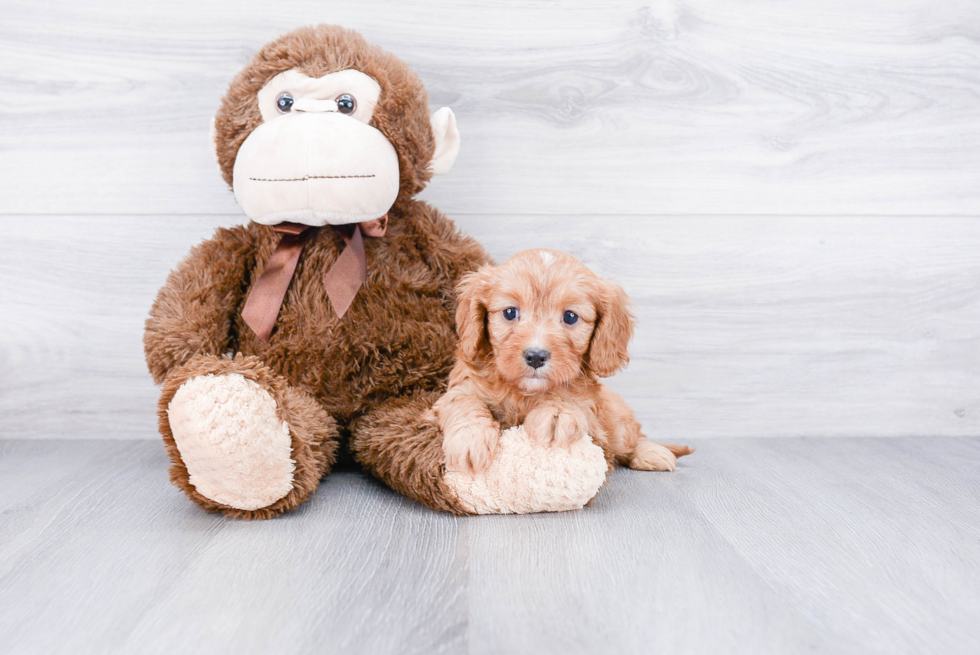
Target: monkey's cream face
[315,159]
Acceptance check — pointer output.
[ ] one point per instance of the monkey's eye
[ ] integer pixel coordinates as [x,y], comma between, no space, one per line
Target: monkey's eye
[346,104]
[284,103]
[569,318]
[511,314]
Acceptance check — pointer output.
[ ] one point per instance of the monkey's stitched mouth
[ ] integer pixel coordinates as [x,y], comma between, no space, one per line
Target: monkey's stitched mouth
[305,178]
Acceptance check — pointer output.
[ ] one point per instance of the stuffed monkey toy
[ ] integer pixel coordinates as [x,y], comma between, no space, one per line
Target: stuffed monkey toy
[327,321]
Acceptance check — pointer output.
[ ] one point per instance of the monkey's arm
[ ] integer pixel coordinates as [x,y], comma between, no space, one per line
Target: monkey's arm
[193,312]
[451,254]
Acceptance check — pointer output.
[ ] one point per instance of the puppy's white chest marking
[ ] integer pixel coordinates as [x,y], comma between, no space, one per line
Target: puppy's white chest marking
[546,257]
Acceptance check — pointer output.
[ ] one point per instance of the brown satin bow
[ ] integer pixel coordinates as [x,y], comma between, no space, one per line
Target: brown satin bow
[341,282]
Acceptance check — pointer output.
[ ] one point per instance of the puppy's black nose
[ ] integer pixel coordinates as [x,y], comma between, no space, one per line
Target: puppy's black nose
[535,357]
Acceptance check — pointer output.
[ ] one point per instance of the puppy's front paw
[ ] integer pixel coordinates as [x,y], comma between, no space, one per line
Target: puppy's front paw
[563,426]
[540,425]
[570,426]
[651,456]
[471,448]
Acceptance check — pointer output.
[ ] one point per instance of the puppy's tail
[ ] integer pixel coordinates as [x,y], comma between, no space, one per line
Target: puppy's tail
[679,451]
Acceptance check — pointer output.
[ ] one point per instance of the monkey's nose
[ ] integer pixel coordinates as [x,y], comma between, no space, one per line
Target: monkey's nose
[535,357]
[314,105]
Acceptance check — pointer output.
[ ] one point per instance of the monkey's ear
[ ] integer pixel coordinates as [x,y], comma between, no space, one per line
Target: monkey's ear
[447,141]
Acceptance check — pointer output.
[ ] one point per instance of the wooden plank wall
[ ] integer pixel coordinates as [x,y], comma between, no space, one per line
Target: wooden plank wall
[790,191]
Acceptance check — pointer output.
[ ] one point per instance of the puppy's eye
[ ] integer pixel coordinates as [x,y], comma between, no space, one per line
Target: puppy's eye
[284,103]
[346,104]
[511,314]
[569,318]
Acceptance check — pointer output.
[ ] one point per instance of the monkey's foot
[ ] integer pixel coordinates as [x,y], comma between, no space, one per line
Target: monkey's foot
[236,448]
[526,477]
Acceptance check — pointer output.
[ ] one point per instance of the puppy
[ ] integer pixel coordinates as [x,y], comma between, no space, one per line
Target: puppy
[535,335]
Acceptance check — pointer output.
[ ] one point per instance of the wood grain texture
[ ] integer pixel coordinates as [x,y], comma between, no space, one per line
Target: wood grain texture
[771,326]
[788,191]
[669,107]
[754,546]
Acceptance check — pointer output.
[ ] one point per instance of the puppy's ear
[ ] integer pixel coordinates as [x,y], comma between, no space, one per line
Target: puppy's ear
[471,314]
[608,351]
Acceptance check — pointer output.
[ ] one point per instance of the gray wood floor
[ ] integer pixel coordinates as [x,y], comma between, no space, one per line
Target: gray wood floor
[753,546]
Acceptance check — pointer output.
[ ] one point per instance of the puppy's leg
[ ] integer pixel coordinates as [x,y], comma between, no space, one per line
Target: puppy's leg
[469,432]
[625,439]
[557,422]
[651,456]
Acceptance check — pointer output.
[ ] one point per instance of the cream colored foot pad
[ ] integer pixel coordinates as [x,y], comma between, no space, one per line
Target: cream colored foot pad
[525,477]
[235,448]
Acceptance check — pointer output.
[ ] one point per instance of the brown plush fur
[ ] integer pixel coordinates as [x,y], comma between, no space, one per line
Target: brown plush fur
[396,340]
[401,447]
[493,387]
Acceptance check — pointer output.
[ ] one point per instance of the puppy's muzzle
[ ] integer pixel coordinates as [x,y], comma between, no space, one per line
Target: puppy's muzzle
[536,357]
